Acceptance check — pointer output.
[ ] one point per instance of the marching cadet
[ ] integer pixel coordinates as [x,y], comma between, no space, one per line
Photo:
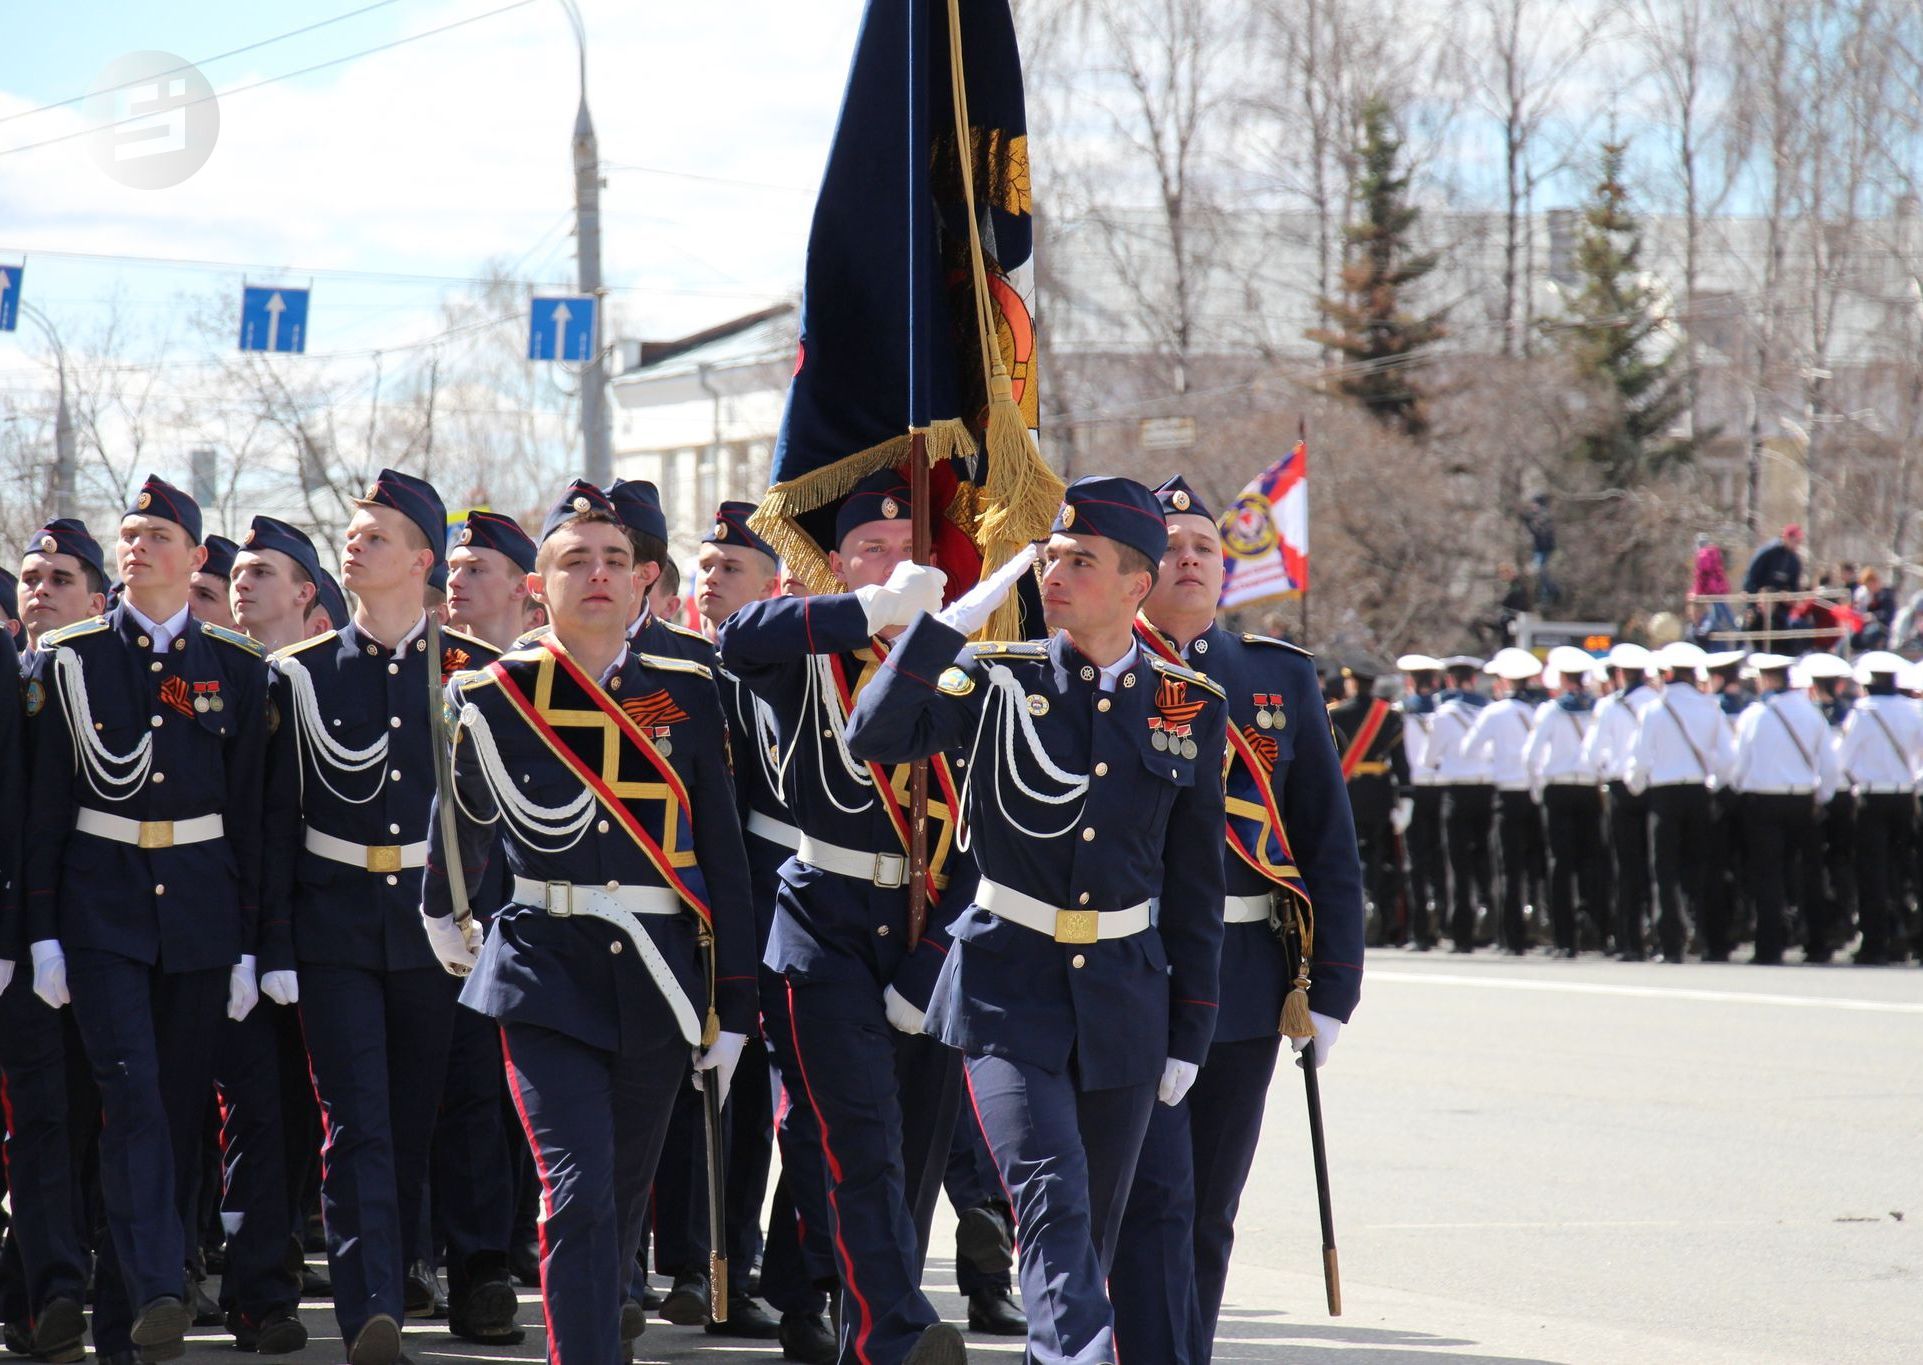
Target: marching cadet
[473,1167]
[268,1117]
[1724,865]
[1783,766]
[1468,797]
[1830,680]
[1566,789]
[734,567]
[143,880]
[1495,744]
[1611,740]
[350,778]
[207,593]
[1420,809]
[883,1094]
[638,503]
[329,608]
[625,947]
[1375,765]
[1095,785]
[63,579]
[1681,750]
[1287,829]
[1879,753]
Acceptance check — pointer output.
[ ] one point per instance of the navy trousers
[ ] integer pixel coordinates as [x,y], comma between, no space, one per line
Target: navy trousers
[52,1110]
[595,1121]
[972,1182]
[798,1267]
[1067,1157]
[884,1103]
[1179,1227]
[150,1038]
[679,1199]
[258,1201]
[473,1165]
[378,1044]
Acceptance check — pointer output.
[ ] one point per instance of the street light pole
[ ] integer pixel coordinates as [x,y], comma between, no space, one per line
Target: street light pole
[595,435]
[65,462]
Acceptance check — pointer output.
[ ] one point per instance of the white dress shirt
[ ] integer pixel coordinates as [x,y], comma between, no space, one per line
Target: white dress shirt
[1680,740]
[1880,747]
[1553,755]
[162,633]
[1768,760]
[1417,726]
[1496,741]
[1447,759]
[1612,738]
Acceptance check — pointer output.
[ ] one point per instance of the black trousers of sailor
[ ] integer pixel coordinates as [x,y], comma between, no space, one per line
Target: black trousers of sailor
[149,1037]
[472,1161]
[1679,820]
[1629,856]
[1428,872]
[1518,839]
[1722,888]
[1782,848]
[595,1121]
[378,1042]
[52,1111]
[798,1268]
[884,1103]
[1466,808]
[1572,828]
[1381,871]
[1067,1157]
[1884,822]
[1172,1263]
[264,1132]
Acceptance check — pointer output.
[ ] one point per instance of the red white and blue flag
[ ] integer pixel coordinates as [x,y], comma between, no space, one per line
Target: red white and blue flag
[1265,535]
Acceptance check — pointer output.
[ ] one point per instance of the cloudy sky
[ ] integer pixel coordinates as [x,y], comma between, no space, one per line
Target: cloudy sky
[390,176]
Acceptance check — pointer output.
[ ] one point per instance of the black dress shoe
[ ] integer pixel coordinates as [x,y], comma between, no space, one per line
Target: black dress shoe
[484,1310]
[982,1240]
[651,1298]
[687,1303]
[60,1333]
[279,1332]
[746,1319]
[805,1337]
[422,1293]
[206,1312]
[992,1312]
[524,1260]
[940,1344]
[634,1321]
[377,1343]
[160,1326]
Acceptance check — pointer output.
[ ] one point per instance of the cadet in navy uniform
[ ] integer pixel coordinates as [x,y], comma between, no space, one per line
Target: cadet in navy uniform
[351,776]
[626,865]
[207,594]
[1180,1224]
[143,882]
[638,503]
[1097,783]
[884,1096]
[1375,765]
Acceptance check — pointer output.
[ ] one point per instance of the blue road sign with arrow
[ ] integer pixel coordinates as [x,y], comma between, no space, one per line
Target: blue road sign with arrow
[562,329]
[9,296]
[273,319]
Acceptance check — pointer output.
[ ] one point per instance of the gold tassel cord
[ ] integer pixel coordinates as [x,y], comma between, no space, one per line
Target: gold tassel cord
[1295,1007]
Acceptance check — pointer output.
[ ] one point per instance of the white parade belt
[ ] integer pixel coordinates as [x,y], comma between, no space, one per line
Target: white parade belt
[148,833]
[370,857]
[1245,909]
[774,831]
[885,870]
[621,906]
[1064,926]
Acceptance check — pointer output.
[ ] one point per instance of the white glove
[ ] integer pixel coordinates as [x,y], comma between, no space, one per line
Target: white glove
[6,975]
[1326,1030]
[455,945]
[1177,1077]
[283,988]
[1404,812]
[901,1014]
[910,590]
[50,973]
[722,1058]
[243,992]
[971,611]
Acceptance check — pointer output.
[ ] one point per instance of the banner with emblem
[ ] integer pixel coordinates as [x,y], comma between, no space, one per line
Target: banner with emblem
[1265,535]
[916,319]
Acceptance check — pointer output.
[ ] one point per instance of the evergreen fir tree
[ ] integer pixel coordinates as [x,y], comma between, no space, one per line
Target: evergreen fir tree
[1613,335]
[1377,339]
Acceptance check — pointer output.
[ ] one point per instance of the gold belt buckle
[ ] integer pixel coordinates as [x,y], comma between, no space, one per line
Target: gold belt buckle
[383,857]
[566,907]
[156,834]
[891,870]
[1076,926]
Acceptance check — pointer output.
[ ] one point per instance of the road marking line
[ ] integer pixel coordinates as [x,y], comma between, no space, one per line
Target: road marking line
[1537,983]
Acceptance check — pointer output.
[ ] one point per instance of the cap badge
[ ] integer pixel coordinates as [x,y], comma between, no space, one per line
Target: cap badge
[248,539]
[1181,500]
[466,537]
[48,545]
[1068,516]
[721,530]
[890,508]
[581,504]
[144,501]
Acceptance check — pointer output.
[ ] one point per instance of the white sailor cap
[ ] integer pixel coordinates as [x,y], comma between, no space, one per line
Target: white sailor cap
[1419,663]
[1681,657]
[1462,661]
[1568,661]
[1826,665]
[1880,661]
[1728,658]
[1910,679]
[1768,663]
[1626,655]
[1513,664]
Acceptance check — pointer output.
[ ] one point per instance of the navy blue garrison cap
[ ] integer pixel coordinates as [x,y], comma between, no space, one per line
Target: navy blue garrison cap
[882,496]
[220,557]
[328,593]
[577,498]
[638,503]
[271,533]
[1178,499]
[492,531]
[1117,509]
[68,536]
[731,528]
[158,498]
[415,499]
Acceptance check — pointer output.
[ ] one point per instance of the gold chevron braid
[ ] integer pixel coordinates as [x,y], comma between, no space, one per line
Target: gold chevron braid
[611,737]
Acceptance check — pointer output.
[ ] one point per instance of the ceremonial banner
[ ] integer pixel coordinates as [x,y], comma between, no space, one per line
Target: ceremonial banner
[1265,535]
[911,322]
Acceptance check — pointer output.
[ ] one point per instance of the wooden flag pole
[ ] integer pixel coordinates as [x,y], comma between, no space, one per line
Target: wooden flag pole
[1302,439]
[918,771]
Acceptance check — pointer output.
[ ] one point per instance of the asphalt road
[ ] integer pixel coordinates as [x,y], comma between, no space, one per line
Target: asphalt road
[1556,1161]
